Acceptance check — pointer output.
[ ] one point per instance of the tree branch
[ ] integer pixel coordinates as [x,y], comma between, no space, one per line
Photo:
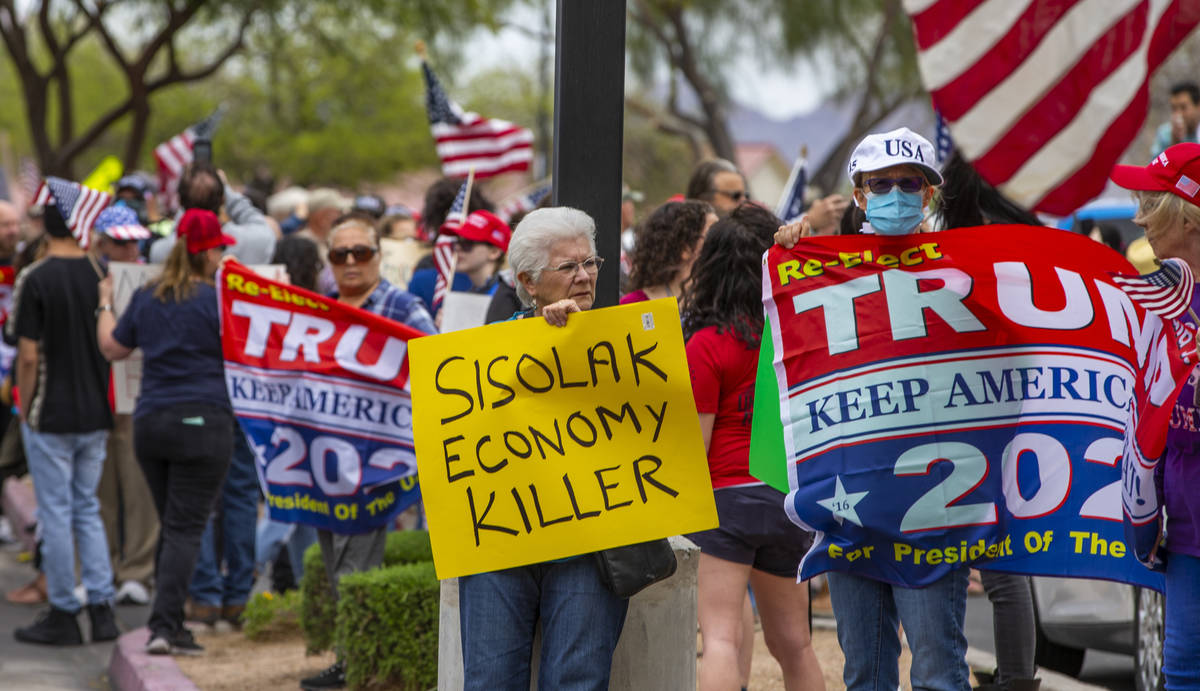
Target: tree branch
[176,75]
[96,22]
[67,151]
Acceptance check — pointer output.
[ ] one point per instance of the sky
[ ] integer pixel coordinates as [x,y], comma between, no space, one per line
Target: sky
[779,93]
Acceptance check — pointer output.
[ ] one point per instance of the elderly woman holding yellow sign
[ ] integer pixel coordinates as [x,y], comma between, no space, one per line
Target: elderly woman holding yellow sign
[553,256]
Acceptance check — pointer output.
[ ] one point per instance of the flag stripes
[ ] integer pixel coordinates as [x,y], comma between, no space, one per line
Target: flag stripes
[1166,292]
[78,205]
[466,141]
[1044,96]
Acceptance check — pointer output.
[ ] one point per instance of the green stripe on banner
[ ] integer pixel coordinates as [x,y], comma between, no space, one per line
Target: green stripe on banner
[768,458]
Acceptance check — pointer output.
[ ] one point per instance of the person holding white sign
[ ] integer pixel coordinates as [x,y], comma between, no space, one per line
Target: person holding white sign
[553,254]
[183,425]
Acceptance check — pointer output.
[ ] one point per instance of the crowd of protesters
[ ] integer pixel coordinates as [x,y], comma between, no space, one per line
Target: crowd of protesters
[163,506]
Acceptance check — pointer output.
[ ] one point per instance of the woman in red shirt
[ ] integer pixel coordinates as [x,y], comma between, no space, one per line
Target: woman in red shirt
[756,543]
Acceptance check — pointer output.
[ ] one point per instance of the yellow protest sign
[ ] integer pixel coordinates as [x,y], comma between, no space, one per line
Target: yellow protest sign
[536,443]
[105,175]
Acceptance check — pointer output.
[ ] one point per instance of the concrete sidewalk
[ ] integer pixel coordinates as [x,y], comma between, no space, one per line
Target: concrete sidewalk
[44,668]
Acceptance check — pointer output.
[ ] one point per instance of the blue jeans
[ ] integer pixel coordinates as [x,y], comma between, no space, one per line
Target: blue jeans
[273,536]
[581,623]
[66,470]
[868,613]
[237,510]
[1181,665]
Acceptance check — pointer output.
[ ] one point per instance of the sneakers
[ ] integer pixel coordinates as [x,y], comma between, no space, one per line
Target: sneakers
[332,677]
[180,643]
[133,593]
[52,627]
[104,623]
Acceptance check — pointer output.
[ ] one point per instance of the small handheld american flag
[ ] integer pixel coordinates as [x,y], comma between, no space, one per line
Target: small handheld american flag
[176,153]
[525,201]
[444,258]
[78,205]
[791,204]
[1166,292]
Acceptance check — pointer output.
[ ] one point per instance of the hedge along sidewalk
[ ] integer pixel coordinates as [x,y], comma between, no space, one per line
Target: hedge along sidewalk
[318,618]
[387,626]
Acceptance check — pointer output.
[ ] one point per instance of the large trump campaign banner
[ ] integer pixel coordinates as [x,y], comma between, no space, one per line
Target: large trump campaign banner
[958,398]
[321,391]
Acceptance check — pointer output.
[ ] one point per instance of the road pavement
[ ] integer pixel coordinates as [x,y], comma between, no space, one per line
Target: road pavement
[42,668]
[1099,668]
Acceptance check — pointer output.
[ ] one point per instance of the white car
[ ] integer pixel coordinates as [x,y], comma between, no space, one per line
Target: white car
[1074,615]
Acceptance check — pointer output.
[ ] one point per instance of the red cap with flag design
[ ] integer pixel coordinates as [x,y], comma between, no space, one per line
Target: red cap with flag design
[1176,170]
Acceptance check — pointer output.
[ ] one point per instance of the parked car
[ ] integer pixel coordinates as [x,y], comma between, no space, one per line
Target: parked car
[1074,615]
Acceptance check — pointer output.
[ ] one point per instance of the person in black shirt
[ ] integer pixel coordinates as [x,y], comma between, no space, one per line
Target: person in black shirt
[63,380]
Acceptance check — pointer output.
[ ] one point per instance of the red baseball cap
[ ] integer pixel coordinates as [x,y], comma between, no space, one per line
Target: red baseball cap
[202,229]
[484,226]
[1176,170]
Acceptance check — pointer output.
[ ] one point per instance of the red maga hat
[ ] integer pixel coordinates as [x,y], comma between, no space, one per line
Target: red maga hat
[1176,170]
[484,226]
[202,229]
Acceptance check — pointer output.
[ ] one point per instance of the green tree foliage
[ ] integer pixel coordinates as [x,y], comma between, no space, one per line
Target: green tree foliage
[693,44]
[337,71]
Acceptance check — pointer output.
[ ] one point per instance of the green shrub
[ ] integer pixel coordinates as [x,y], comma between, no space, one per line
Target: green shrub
[269,615]
[316,607]
[387,626]
[316,603]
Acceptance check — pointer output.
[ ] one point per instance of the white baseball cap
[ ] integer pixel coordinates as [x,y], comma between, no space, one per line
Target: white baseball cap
[899,147]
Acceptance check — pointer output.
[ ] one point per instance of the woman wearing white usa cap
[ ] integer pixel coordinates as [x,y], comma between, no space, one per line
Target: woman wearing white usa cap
[894,178]
[1168,195]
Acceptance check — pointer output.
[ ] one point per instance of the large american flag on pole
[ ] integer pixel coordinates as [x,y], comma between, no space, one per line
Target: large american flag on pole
[176,153]
[466,140]
[1044,96]
[78,205]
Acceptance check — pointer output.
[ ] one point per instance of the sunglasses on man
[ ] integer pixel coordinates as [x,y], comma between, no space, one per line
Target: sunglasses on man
[361,253]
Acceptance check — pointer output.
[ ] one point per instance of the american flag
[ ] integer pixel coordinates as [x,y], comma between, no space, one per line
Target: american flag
[31,178]
[466,140]
[444,258]
[1044,96]
[1166,292]
[175,154]
[945,142]
[791,204]
[78,205]
[525,201]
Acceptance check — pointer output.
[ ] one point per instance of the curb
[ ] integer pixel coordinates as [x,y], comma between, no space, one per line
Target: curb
[133,669]
[19,504]
[981,659]
[1051,681]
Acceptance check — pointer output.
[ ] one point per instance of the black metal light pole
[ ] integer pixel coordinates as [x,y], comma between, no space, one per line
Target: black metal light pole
[589,101]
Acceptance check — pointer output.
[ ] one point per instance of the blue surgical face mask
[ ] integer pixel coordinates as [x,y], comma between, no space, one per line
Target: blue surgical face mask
[895,213]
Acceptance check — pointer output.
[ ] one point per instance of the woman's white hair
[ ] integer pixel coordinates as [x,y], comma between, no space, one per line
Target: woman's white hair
[529,249]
